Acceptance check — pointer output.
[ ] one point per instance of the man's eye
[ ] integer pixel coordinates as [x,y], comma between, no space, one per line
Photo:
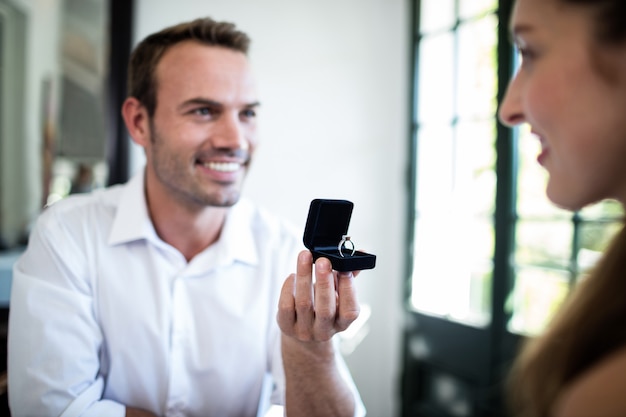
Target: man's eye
[248,113]
[204,111]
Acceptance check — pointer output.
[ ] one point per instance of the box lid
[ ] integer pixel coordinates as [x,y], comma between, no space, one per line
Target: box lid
[327,222]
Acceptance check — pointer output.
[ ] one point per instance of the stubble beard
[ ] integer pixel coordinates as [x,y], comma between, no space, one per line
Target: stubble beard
[176,176]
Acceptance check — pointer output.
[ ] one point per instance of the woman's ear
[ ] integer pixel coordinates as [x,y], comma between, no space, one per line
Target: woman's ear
[136,119]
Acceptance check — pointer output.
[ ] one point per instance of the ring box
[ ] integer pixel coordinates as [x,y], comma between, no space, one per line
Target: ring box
[327,222]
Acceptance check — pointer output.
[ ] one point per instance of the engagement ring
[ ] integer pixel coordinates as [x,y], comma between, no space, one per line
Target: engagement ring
[343,244]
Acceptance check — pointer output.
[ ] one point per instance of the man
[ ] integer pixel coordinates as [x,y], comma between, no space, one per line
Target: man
[165,296]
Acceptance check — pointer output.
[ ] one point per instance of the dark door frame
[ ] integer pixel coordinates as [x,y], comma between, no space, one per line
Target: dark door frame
[120,38]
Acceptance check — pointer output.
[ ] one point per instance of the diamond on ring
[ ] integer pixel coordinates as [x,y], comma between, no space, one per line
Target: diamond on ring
[343,244]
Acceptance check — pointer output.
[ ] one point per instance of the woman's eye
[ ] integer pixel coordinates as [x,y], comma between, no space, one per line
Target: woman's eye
[526,54]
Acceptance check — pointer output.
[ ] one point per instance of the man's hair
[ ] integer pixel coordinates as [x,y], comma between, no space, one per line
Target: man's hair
[142,83]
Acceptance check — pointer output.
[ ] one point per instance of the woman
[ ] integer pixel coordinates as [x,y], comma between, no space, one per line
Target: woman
[571,90]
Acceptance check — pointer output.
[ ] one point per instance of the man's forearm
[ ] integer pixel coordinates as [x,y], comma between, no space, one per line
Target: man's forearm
[314,386]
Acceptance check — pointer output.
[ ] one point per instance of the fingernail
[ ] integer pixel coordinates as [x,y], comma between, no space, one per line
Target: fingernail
[303,257]
[323,265]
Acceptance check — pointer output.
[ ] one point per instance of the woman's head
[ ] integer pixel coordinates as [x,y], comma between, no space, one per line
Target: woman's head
[571,90]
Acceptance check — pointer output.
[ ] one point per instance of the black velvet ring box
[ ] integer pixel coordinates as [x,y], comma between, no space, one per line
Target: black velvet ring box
[326,224]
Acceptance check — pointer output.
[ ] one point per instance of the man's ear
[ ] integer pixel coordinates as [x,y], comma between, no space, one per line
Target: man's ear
[136,119]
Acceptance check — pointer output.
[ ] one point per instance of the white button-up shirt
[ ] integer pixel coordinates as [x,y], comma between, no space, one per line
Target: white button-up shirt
[104,314]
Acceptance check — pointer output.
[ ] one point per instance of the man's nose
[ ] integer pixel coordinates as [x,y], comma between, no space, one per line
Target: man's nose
[229,133]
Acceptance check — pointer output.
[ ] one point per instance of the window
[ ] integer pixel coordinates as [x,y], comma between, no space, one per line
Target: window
[455,181]
[455,185]
[491,258]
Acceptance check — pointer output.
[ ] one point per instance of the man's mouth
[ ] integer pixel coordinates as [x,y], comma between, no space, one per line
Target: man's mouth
[222,166]
[224,162]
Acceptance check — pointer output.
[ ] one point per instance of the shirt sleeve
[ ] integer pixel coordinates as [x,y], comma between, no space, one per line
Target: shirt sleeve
[54,339]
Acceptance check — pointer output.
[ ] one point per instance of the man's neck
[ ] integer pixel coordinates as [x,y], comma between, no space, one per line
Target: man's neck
[190,229]
[190,233]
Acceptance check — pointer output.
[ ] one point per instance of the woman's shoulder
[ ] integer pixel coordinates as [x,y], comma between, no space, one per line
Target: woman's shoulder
[598,392]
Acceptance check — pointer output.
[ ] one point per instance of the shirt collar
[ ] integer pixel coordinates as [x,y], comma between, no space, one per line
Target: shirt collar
[132,222]
[237,240]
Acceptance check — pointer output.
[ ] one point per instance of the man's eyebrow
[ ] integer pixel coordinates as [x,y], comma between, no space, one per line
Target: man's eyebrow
[212,103]
[200,102]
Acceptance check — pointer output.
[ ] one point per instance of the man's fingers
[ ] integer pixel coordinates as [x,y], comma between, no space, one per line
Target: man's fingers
[304,280]
[317,308]
[325,300]
[348,308]
[286,315]
[305,309]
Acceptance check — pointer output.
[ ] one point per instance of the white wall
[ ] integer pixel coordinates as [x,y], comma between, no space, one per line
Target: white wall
[334,85]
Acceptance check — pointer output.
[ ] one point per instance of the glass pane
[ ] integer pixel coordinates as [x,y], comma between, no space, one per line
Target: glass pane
[484,240]
[609,209]
[544,243]
[531,181]
[435,87]
[436,15]
[537,295]
[449,278]
[475,165]
[434,166]
[602,221]
[594,239]
[455,200]
[473,8]
[477,78]
[479,311]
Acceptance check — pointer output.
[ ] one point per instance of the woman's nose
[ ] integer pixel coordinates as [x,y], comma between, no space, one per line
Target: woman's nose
[511,112]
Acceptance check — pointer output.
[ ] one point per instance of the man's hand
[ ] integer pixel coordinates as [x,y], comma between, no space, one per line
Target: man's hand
[310,313]
[315,311]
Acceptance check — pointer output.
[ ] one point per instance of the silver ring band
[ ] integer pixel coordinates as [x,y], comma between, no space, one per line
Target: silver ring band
[343,244]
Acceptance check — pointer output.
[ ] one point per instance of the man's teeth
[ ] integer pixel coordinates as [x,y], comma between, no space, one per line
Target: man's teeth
[222,166]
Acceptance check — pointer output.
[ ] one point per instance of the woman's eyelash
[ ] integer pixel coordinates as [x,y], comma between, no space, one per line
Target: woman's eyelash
[525,53]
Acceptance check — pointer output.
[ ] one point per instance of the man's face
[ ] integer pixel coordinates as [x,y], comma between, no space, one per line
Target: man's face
[204,128]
